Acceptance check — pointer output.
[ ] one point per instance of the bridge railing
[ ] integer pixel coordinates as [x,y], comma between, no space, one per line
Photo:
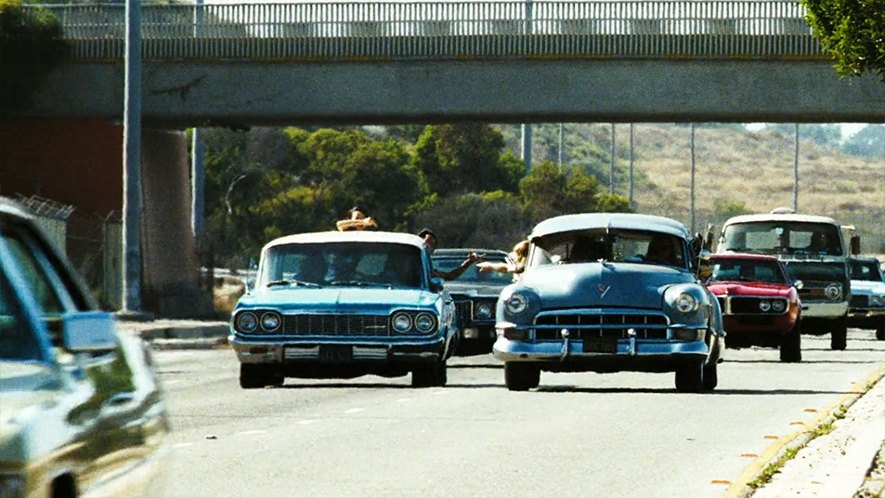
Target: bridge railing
[447,30]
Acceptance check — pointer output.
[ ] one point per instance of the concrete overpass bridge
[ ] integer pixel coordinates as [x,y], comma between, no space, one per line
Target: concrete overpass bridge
[244,64]
[443,61]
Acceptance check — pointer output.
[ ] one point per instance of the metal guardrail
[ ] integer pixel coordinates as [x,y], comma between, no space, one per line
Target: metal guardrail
[448,30]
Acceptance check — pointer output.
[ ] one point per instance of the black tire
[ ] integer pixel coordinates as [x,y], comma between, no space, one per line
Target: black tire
[709,377]
[791,345]
[431,375]
[689,378]
[880,330]
[253,376]
[521,377]
[839,334]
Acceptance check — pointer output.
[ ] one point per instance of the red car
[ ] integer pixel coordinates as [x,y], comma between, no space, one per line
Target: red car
[760,302]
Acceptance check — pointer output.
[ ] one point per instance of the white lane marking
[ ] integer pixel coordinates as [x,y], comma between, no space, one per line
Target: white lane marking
[307,422]
[170,382]
[440,392]
[249,433]
[404,400]
[355,410]
[183,445]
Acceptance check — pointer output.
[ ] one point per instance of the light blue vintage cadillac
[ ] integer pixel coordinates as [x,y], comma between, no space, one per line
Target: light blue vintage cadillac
[342,305]
[609,292]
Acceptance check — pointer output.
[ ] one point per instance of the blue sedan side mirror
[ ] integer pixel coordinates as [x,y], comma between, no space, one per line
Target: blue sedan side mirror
[436,284]
[89,332]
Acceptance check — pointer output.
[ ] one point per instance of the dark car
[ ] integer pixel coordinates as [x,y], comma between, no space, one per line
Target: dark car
[475,294]
[760,302]
[81,413]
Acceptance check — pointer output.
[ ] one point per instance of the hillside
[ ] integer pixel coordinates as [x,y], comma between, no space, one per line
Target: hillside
[732,166]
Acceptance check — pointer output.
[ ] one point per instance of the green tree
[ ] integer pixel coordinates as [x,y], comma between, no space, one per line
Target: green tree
[547,192]
[853,31]
[491,220]
[350,167]
[827,135]
[31,45]
[460,158]
[868,142]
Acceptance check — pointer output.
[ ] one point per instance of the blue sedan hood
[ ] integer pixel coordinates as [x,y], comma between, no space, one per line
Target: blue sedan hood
[589,285]
[361,300]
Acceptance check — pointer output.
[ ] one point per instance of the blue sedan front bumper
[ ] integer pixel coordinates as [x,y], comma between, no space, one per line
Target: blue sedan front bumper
[631,354]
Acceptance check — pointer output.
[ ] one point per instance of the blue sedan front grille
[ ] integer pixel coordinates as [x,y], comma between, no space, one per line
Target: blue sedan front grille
[336,325]
[580,325]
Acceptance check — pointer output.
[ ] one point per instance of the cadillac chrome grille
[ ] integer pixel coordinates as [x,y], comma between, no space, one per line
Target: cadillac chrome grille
[580,326]
[361,325]
[463,310]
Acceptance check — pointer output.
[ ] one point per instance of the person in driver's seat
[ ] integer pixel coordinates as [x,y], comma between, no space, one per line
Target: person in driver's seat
[662,250]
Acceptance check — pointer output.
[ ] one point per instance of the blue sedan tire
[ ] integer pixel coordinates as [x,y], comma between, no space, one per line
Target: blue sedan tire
[689,378]
[521,377]
[430,375]
[839,334]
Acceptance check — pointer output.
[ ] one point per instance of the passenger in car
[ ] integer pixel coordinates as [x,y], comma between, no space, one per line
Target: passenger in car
[359,220]
[516,265]
[430,242]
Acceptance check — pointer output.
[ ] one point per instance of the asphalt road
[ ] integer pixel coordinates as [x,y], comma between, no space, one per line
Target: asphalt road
[600,435]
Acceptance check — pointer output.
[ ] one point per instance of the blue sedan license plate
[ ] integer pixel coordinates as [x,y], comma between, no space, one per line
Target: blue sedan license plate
[334,353]
[601,345]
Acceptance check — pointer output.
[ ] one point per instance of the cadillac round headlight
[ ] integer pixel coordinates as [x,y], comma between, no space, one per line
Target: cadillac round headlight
[686,303]
[246,322]
[778,306]
[425,322]
[764,306]
[484,311]
[402,322]
[516,303]
[833,291]
[270,321]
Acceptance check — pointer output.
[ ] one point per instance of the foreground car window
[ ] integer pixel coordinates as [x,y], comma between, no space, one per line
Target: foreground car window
[17,340]
[632,246]
[749,271]
[343,263]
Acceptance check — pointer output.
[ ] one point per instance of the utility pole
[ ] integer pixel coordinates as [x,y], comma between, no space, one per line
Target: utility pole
[632,204]
[560,147]
[132,161]
[526,127]
[796,172]
[692,178]
[611,173]
[198,166]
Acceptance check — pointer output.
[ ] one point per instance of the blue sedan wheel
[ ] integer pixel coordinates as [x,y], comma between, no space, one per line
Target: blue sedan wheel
[521,377]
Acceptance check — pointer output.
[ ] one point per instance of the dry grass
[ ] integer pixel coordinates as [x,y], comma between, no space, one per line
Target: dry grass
[756,168]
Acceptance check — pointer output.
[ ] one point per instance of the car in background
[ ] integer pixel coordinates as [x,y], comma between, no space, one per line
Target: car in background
[760,302]
[475,294]
[342,305]
[867,307]
[81,412]
[610,292]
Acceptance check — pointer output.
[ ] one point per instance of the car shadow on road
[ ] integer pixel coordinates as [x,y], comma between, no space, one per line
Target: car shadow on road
[717,392]
[483,365]
[847,362]
[340,385]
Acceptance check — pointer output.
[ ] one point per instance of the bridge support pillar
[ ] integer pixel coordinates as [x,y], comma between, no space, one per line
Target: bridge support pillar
[171,278]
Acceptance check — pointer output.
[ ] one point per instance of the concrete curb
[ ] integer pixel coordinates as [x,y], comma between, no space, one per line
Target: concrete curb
[741,487]
[179,334]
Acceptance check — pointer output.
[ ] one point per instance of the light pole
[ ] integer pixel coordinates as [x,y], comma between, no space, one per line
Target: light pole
[131,262]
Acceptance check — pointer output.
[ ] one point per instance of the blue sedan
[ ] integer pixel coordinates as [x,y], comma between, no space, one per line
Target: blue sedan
[606,293]
[342,305]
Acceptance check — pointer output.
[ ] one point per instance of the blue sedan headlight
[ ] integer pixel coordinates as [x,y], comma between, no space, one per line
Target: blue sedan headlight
[425,323]
[686,303]
[246,322]
[402,322]
[516,303]
[270,321]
